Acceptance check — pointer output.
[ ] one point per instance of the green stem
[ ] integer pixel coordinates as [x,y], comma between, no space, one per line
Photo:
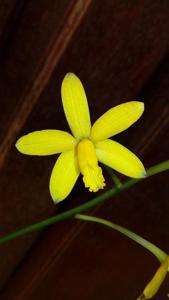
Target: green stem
[114,177]
[88,205]
[160,255]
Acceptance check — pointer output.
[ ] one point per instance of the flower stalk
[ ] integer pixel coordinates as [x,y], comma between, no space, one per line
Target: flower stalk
[153,286]
[157,252]
[83,207]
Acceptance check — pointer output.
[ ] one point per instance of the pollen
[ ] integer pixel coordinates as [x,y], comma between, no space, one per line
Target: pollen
[88,165]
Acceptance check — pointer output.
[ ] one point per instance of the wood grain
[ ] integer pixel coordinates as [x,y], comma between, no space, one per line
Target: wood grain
[25,73]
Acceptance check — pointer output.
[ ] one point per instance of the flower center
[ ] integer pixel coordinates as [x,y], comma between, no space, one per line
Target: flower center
[88,164]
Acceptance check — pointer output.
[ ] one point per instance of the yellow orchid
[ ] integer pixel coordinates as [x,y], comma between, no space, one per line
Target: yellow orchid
[88,145]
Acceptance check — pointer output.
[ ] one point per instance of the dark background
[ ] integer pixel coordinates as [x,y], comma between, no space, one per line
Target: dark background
[119,49]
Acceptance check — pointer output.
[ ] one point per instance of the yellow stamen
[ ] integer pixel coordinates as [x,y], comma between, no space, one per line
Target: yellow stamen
[88,164]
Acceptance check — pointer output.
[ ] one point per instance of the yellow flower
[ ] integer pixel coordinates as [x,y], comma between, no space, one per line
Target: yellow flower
[88,145]
[153,286]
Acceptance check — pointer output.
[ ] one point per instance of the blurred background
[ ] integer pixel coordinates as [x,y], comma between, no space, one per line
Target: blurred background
[119,49]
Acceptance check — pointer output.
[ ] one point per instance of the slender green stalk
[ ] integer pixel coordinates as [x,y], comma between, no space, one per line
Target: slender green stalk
[88,205]
[160,254]
[114,177]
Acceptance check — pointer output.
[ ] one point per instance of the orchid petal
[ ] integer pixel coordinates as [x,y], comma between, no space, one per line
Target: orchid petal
[76,106]
[116,120]
[64,175]
[119,158]
[45,142]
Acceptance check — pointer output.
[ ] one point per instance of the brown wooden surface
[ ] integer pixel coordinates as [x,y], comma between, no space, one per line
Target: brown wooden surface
[119,50]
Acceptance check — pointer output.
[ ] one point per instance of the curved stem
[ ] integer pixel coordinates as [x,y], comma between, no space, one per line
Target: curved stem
[88,205]
[114,177]
[160,254]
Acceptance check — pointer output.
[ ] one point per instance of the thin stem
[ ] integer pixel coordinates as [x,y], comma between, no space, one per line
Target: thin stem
[160,254]
[88,205]
[114,177]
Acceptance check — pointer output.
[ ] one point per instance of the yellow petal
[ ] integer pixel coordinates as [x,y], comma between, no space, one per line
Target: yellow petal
[116,119]
[153,286]
[119,158]
[45,142]
[75,106]
[64,175]
[88,164]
